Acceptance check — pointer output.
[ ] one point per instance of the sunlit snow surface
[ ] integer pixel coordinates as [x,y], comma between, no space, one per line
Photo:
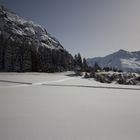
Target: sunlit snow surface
[59,106]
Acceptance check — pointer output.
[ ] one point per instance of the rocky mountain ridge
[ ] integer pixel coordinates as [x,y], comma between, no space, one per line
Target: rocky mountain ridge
[26,46]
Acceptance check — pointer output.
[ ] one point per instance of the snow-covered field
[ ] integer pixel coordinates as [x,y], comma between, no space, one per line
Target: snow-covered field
[39,106]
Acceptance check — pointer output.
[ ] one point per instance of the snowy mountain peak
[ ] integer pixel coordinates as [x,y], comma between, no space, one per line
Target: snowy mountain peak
[121,50]
[123,60]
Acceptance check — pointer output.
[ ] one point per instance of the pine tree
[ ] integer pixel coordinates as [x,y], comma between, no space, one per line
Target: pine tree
[80,61]
[97,67]
[2,53]
[85,66]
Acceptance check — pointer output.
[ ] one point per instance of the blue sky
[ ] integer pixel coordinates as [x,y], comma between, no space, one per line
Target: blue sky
[91,27]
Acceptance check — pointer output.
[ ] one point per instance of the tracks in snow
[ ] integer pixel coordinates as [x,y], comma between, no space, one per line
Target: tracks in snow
[85,86]
[25,84]
[52,84]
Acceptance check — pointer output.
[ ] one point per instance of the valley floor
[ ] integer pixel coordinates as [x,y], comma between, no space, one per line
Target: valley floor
[60,106]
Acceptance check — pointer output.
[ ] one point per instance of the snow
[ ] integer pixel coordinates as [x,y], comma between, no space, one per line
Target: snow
[131,63]
[13,17]
[58,111]
[45,45]
[12,38]
[44,37]
[123,60]
[52,40]
[36,25]
[29,29]
[19,32]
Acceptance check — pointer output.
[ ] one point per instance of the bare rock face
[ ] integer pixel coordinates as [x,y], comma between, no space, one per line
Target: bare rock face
[26,46]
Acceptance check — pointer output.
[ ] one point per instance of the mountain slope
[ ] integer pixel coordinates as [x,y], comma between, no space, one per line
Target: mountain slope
[26,46]
[123,60]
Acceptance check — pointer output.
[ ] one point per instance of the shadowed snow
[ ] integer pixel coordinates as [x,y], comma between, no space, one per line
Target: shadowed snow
[42,112]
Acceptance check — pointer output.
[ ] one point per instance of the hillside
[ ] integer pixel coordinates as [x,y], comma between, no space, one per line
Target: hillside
[26,46]
[123,60]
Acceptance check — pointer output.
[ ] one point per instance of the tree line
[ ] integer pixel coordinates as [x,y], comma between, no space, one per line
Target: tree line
[19,55]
